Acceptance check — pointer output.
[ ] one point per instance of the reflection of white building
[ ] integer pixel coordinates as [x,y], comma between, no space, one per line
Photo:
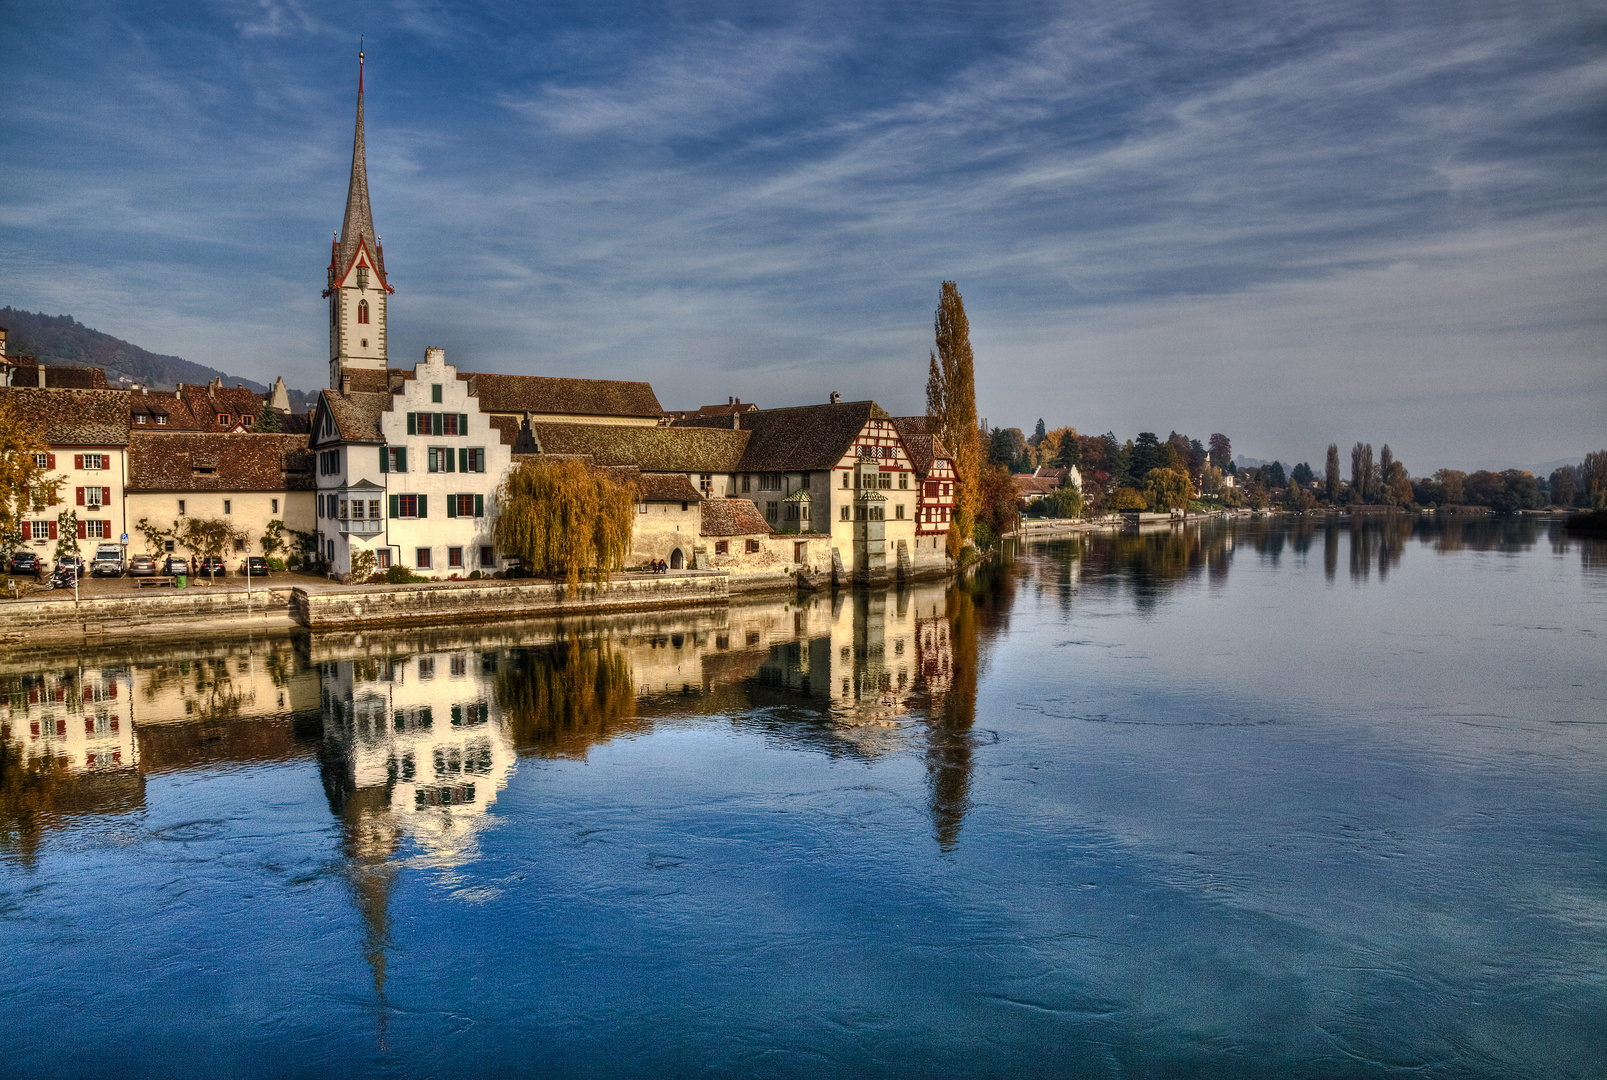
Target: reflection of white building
[82,717]
[419,739]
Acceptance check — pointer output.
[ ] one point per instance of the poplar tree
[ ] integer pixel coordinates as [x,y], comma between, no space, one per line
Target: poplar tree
[1332,480]
[951,405]
[1361,472]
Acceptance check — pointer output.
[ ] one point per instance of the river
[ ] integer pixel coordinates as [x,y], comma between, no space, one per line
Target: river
[1251,798]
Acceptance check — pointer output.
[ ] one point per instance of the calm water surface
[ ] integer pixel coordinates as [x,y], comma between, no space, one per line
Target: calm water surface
[1234,800]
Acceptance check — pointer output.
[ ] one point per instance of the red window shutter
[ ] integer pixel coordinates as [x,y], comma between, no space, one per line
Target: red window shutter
[105,496]
[80,496]
[78,461]
[50,461]
[111,691]
[61,728]
[53,530]
[83,530]
[89,726]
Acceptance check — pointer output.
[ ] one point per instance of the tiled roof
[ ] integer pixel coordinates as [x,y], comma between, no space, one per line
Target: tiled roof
[668,487]
[356,416]
[735,405]
[507,427]
[651,449]
[732,517]
[57,376]
[1027,484]
[375,380]
[804,438]
[911,425]
[573,397]
[213,461]
[74,417]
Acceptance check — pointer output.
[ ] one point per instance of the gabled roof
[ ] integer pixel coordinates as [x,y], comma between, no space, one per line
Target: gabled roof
[1028,484]
[668,487]
[356,416]
[651,449]
[573,397]
[74,417]
[923,450]
[731,517]
[212,461]
[804,438]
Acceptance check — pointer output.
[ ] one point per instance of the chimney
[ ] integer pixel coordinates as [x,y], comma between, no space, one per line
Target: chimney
[736,420]
[433,355]
[730,401]
[41,376]
[836,398]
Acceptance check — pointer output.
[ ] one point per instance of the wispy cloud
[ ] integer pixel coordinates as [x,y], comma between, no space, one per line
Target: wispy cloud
[1153,211]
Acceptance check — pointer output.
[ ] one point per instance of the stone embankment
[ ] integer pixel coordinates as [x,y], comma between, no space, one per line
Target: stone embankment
[185,612]
[402,605]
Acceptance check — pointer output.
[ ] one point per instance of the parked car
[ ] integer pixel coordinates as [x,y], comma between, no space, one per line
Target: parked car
[108,561]
[26,562]
[176,564]
[212,567]
[254,566]
[70,563]
[142,566]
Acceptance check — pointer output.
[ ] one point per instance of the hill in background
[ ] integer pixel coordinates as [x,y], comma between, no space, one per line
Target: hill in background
[62,341]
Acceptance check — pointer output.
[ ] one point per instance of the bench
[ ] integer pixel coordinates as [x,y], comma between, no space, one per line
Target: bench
[157,581]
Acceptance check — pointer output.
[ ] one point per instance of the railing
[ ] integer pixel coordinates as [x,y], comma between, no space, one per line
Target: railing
[361,526]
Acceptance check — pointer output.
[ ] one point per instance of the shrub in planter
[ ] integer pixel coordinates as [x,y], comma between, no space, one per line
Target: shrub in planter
[474,575]
[276,564]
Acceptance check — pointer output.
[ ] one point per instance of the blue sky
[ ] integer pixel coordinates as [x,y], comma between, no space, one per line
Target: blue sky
[1296,224]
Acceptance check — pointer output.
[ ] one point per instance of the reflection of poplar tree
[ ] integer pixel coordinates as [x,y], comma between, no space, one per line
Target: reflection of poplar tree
[948,752]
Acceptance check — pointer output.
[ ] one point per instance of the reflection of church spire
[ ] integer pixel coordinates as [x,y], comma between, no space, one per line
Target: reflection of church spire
[369,840]
[948,748]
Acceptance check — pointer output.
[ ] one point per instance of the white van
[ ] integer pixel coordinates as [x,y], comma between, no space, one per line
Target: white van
[108,561]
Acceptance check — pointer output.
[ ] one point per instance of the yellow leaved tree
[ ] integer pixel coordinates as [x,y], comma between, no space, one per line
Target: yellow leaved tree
[564,517]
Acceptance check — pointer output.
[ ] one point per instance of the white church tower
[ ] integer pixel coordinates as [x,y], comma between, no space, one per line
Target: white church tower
[357,286]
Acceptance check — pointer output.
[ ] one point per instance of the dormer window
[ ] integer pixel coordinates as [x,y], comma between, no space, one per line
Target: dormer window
[247,419]
[224,419]
[140,419]
[362,308]
[160,420]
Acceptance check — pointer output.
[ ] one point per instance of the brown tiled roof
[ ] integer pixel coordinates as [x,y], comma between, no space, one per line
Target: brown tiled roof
[732,517]
[573,397]
[74,417]
[375,380]
[178,460]
[166,404]
[208,402]
[357,415]
[911,425]
[807,437]
[507,427]
[57,376]
[668,487]
[651,449]
[1027,484]
[735,405]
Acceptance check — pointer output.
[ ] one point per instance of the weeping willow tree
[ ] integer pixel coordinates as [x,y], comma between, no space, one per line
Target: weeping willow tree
[564,517]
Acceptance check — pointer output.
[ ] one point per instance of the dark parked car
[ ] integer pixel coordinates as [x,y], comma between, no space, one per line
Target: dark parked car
[142,566]
[210,568]
[26,562]
[176,564]
[254,566]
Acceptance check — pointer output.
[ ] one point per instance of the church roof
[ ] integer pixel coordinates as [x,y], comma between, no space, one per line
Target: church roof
[651,449]
[574,397]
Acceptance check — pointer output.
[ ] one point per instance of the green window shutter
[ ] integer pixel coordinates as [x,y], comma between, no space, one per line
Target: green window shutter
[463,423]
[401,459]
[384,460]
[435,424]
[463,459]
[479,506]
[396,506]
[451,458]
[432,460]
[451,506]
[423,506]
[412,423]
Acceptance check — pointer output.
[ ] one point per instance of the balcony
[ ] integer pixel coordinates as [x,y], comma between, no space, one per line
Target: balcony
[361,526]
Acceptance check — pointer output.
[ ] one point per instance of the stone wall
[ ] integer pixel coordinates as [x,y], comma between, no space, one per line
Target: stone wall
[179,611]
[397,605]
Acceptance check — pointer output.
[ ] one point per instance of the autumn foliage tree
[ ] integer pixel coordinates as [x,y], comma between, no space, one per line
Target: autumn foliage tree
[23,483]
[951,403]
[1168,489]
[564,517]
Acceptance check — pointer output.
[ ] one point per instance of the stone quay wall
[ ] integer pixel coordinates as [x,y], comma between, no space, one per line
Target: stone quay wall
[400,605]
[176,612]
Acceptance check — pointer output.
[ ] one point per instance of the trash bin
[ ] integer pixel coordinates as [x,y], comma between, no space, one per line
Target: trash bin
[181,582]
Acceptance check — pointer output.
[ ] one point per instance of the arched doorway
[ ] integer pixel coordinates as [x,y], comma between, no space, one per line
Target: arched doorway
[677,560]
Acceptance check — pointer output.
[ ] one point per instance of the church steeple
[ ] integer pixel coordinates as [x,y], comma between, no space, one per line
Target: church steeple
[357,284]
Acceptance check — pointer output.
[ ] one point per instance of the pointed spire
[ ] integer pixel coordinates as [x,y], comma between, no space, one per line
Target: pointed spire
[358,224]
